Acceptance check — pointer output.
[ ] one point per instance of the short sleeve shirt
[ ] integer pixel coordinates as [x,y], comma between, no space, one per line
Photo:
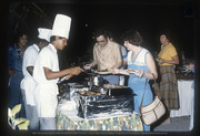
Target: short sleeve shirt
[48,58]
[108,56]
[167,52]
[30,57]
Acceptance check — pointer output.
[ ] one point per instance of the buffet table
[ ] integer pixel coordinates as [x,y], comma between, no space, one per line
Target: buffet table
[68,110]
[186,96]
[112,123]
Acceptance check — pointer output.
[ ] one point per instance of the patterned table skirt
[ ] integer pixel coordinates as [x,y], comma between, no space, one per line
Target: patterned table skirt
[119,123]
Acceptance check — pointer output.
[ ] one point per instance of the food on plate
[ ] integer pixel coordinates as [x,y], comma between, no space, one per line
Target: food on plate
[98,70]
[93,93]
[131,70]
[84,93]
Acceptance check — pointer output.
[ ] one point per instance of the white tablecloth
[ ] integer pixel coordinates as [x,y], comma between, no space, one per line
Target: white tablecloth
[186,96]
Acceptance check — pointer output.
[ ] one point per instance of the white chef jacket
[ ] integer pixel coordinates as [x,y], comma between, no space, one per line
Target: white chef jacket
[47,90]
[28,84]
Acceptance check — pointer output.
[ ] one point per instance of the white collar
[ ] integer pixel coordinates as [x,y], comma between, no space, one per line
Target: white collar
[53,47]
[36,47]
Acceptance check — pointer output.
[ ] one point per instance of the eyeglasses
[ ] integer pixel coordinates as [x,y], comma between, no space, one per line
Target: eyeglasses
[103,41]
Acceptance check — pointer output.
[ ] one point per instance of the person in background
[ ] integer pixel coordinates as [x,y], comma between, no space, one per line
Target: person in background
[28,84]
[183,57]
[141,61]
[46,73]
[16,52]
[106,55]
[167,59]
[192,68]
[124,60]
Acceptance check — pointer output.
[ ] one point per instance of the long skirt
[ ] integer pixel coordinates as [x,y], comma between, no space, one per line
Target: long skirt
[169,87]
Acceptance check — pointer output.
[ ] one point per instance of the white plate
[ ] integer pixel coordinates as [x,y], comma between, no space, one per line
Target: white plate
[136,71]
[106,72]
[85,89]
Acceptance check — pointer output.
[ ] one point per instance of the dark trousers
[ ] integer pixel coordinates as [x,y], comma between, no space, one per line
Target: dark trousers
[15,94]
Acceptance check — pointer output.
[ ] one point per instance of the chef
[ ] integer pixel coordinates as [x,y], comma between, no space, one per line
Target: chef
[28,84]
[47,73]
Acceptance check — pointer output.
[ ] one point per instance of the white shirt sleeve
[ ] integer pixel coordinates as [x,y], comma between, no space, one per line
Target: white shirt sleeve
[31,57]
[45,59]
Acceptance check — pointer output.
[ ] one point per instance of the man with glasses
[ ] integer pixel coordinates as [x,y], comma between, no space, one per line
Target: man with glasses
[106,55]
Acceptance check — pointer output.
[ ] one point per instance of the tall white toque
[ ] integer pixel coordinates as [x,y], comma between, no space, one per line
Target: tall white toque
[44,34]
[61,26]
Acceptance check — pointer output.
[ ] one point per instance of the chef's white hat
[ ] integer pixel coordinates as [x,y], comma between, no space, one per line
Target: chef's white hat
[61,26]
[44,34]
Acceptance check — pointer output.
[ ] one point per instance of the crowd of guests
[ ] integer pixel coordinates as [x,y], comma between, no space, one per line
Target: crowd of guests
[34,72]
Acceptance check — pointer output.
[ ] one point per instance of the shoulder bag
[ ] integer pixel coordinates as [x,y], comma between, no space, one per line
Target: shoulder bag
[152,112]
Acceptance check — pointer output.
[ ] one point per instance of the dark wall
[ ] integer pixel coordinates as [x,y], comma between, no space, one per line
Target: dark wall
[147,18]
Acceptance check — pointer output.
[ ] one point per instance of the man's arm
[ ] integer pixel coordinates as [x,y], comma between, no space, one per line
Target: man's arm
[52,75]
[88,66]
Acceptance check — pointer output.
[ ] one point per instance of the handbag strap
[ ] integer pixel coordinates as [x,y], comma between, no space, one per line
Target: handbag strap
[143,92]
[145,88]
[158,90]
[154,78]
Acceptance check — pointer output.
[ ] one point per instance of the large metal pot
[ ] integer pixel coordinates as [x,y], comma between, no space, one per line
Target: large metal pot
[98,89]
[96,80]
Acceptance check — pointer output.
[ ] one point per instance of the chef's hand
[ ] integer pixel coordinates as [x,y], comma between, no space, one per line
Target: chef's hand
[140,73]
[76,70]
